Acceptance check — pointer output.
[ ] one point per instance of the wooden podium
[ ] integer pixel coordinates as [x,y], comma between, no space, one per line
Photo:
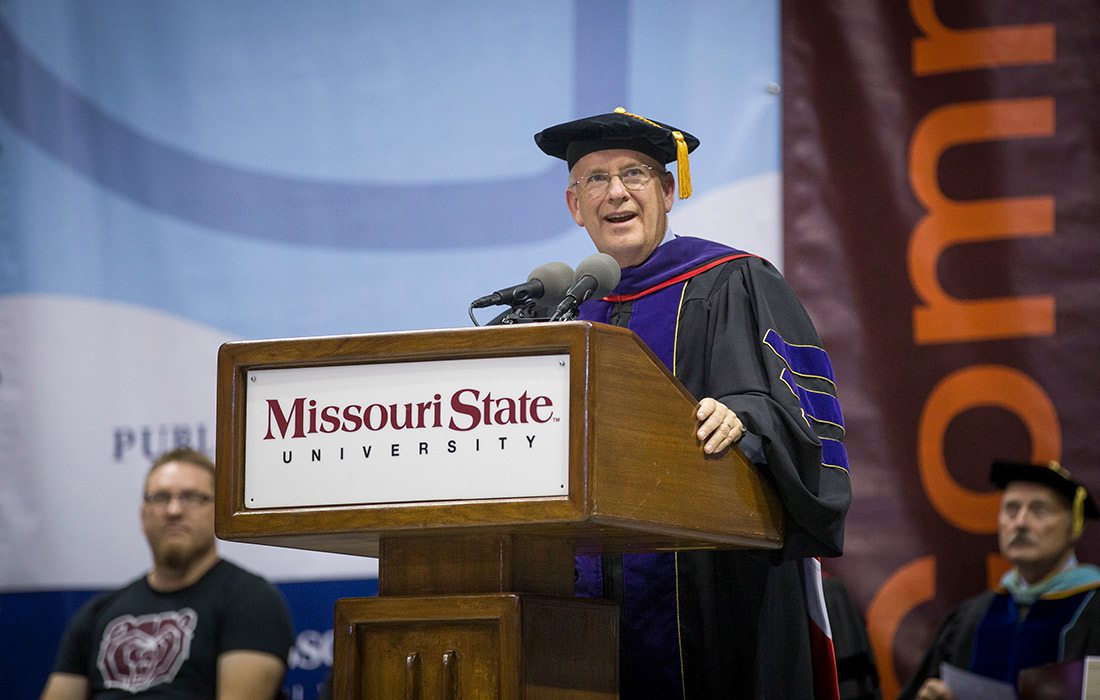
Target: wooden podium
[475,585]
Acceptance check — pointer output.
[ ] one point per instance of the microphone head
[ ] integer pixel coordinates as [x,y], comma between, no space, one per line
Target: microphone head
[556,278]
[603,268]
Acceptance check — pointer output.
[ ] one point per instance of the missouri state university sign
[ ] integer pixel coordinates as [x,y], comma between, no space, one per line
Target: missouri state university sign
[407,432]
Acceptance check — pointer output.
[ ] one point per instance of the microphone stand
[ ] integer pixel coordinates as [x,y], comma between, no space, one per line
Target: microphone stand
[570,315]
[522,313]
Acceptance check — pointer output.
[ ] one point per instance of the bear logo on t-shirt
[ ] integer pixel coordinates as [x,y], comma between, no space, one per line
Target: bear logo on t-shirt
[139,652]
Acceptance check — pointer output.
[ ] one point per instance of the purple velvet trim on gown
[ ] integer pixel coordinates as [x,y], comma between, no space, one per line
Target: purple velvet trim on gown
[650,644]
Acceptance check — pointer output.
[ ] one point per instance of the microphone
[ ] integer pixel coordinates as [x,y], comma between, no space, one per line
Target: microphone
[596,276]
[550,280]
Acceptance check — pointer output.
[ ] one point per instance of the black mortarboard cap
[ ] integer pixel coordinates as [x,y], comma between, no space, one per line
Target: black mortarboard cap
[1050,474]
[573,140]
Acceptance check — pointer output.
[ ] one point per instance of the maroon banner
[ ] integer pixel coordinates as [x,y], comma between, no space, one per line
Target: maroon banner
[942,223]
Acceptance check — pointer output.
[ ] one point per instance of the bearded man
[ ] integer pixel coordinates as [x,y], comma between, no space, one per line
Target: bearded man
[194,626]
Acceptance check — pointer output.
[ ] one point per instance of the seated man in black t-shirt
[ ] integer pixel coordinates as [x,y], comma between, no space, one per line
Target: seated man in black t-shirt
[195,626]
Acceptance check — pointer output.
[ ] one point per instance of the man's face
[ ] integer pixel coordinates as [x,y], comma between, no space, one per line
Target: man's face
[1035,528]
[626,224]
[178,513]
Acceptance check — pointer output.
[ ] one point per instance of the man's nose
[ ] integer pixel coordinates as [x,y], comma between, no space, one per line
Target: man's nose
[615,188]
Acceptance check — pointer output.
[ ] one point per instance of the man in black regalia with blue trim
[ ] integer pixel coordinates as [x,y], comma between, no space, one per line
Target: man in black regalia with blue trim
[731,624]
[1046,609]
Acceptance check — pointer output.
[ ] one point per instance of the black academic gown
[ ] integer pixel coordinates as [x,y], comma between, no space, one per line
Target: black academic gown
[954,642]
[739,334]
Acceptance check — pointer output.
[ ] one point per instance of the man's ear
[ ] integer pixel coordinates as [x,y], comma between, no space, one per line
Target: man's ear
[668,189]
[1074,533]
[574,205]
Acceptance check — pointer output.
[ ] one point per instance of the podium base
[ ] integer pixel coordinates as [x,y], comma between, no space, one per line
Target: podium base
[506,645]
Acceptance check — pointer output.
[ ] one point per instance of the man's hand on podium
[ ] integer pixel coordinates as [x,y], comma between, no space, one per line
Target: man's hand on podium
[719,426]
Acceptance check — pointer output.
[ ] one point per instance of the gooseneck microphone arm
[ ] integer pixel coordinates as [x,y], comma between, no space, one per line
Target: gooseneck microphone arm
[546,282]
[597,275]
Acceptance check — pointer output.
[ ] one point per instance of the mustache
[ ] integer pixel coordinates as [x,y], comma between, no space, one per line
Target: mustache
[1021,538]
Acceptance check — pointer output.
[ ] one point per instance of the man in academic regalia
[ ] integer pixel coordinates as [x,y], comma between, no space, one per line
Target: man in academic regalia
[1046,608]
[712,624]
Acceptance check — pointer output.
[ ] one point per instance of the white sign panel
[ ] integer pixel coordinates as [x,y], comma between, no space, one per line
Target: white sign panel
[408,432]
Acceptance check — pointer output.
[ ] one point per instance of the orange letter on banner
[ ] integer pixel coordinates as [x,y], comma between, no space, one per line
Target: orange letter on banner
[949,50]
[982,385]
[911,585]
[942,318]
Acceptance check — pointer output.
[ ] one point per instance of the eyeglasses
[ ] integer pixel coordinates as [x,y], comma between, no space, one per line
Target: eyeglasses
[188,499]
[633,178]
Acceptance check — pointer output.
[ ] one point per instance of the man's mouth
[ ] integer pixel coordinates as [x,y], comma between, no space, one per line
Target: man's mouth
[620,217]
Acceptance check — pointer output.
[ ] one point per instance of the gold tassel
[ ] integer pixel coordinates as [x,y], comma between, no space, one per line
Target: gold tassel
[1079,510]
[683,171]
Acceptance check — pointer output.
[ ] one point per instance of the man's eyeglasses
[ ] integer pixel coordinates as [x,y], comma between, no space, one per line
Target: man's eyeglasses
[188,499]
[634,178]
